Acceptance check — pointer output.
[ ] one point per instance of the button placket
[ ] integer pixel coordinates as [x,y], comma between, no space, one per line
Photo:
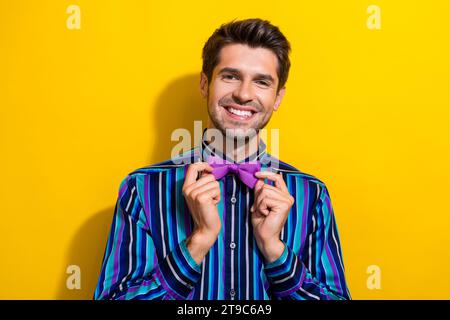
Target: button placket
[232,244]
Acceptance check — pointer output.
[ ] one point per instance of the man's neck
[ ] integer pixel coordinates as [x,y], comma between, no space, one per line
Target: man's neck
[235,149]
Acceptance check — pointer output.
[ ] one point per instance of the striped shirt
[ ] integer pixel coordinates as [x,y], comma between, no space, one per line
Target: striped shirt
[146,255]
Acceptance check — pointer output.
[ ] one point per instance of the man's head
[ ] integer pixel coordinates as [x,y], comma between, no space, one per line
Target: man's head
[245,68]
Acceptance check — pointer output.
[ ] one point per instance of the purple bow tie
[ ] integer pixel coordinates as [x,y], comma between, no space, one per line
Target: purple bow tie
[245,171]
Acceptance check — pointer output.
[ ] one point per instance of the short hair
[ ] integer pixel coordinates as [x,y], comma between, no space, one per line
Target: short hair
[254,33]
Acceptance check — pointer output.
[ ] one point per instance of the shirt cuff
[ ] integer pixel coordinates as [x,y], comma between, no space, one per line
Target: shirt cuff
[179,272]
[286,274]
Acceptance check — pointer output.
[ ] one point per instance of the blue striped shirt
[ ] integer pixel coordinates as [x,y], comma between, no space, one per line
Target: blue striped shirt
[146,255]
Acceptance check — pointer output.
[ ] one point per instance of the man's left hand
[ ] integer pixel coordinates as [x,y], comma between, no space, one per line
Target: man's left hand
[269,213]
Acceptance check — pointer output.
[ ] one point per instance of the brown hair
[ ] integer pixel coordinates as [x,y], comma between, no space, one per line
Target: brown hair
[254,33]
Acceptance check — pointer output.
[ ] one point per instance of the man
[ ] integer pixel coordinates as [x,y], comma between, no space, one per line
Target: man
[226,220]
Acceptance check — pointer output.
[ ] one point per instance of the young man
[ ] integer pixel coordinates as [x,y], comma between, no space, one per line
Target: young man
[226,220]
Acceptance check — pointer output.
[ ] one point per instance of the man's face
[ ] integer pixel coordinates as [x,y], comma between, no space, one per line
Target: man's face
[243,89]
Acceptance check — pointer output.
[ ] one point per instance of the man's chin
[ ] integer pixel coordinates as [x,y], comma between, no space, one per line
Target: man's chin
[240,133]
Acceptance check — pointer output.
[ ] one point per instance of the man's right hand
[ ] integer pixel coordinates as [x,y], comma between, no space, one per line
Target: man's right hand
[202,197]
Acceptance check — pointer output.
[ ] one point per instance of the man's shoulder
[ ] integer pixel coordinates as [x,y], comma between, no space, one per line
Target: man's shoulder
[158,167]
[289,170]
[137,178]
[175,163]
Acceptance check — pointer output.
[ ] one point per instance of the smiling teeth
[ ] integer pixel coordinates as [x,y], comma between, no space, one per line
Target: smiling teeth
[240,112]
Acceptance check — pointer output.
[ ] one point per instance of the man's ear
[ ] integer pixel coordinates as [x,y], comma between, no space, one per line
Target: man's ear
[203,85]
[278,99]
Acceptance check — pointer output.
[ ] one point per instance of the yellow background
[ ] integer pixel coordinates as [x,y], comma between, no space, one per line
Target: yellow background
[366,111]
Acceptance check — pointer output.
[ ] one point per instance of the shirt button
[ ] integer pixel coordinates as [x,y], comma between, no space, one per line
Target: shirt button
[232,292]
[232,245]
[233,200]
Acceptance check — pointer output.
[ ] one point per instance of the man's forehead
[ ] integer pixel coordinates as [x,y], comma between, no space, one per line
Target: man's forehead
[248,60]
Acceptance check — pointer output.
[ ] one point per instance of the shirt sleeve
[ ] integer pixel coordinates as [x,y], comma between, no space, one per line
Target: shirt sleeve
[324,278]
[130,267]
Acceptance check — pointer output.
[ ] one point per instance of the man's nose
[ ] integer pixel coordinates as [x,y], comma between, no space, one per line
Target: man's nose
[244,92]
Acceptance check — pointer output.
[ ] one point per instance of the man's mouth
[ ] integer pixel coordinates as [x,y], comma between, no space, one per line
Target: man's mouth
[241,112]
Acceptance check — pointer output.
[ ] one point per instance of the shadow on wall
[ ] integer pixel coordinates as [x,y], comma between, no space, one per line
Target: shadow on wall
[86,251]
[178,106]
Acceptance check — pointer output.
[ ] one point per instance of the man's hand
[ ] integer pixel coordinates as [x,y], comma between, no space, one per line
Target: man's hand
[269,213]
[202,196]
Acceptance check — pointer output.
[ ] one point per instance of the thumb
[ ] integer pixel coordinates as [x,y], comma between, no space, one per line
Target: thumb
[259,184]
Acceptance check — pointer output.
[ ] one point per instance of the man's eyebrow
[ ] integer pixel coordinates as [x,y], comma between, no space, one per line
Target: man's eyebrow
[260,76]
[230,70]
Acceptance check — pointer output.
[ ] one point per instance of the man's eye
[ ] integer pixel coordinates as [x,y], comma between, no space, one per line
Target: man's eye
[229,76]
[263,83]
